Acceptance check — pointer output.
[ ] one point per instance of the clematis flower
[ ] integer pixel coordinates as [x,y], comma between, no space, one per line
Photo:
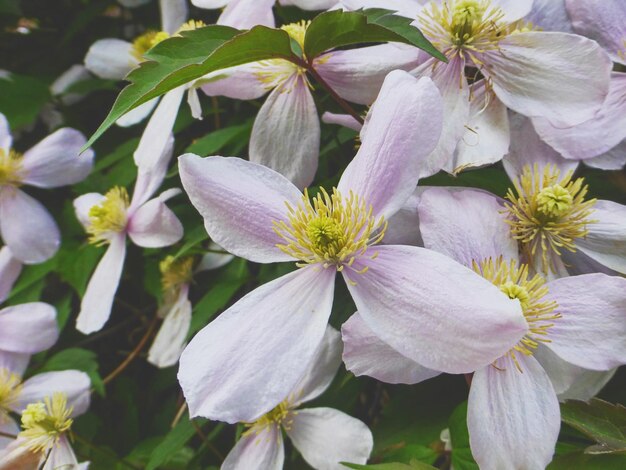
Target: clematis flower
[10,269]
[109,219]
[600,141]
[176,275]
[286,131]
[27,228]
[324,436]
[414,297]
[512,404]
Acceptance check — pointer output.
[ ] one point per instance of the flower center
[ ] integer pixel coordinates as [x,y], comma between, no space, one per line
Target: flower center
[44,422]
[149,39]
[548,213]
[330,229]
[108,217]
[175,272]
[10,168]
[10,389]
[282,415]
[515,282]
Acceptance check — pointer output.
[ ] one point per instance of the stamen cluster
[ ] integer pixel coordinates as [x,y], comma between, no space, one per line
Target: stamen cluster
[10,168]
[44,422]
[149,39]
[108,217]
[175,272]
[10,389]
[282,415]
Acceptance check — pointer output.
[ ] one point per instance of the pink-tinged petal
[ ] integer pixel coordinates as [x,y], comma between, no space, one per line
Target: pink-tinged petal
[364,353]
[562,77]
[602,20]
[614,159]
[259,450]
[173,14]
[5,134]
[73,383]
[358,74]
[403,228]
[606,240]
[28,328]
[61,456]
[487,135]
[7,426]
[138,114]
[325,437]
[156,136]
[286,132]
[550,15]
[466,225]
[433,310]
[55,161]
[248,360]
[403,129]
[83,204]
[513,9]
[27,227]
[310,4]
[150,176]
[10,269]
[592,330]
[527,149]
[17,456]
[209,4]
[239,202]
[244,14]
[587,385]
[596,136]
[15,362]
[95,307]
[212,261]
[169,342]
[154,225]
[242,82]
[321,370]
[345,120]
[510,412]
[110,58]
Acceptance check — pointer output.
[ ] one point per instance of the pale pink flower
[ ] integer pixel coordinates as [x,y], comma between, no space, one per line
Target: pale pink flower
[10,269]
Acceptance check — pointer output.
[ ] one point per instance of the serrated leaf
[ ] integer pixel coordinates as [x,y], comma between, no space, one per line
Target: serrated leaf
[602,421]
[343,28]
[182,59]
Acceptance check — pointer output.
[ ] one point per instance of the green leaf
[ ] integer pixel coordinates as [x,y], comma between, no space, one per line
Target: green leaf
[30,276]
[78,359]
[343,28]
[603,422]
[173,442]
[22,99]
[462,458]
[182,59]
[215,141]
[413,465]
[582,461]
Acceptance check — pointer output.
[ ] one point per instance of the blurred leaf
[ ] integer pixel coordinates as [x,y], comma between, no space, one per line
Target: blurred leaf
[462,458]
[343,28]
[173,443]
[78,359]
[413,465]
[77,263]
[582,461]
[22,99]
[603,422]
[30,276]
[215,141]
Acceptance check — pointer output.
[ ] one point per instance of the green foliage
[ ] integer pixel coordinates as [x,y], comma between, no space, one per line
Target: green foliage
[413,465]
[78,359]
[23,98]
[599,420]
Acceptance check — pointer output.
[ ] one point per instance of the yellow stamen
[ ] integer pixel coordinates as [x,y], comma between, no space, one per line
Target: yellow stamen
[175,272]
[516,283]
[282,415]
[11,168]
[149,39]
[44,422]
[548,213]
[108,217]
[10,389]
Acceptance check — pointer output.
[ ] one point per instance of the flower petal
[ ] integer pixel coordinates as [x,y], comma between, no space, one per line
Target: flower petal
[27,227]
[364,353]
[404,127]
[5,134]
[10,269]
[550,15]
[239,201]
[249,359]
[214,260]
[262,450]
[592,332]
[95,308]
[403,228]
[466,225]
[110,58]
[310,4]
[513,9]
[150,176]
[587,385]
[614,159]
[15,362]
[510,412]
[325,437]
[169,342]
[8,426]
[83,204]
[562,77]
[209,4]
[244,14]
[61,456]
[242,82]
[345,120]
[433,310]
[138,114]
[286,132]
[55,161]
[73,383]
[154,225]
[28,328]
[173,14]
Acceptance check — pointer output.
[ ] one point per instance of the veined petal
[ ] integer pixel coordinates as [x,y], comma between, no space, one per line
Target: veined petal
[325,437]
[606,240]
[169,342]
[614,159]
[8,426]
[592,330]
[513,9]
[154,225]
[73,383]
[550,15]
[433,310]
[15,362]
[27,227]
[173,14]
[345,120]
[95,307]
[61,456]
[244,14]
[212,261]
[10,269]
[248,360]
[364,353]
[403,228]
[150,176]
[239,200]
[587,385]
[262,450]
[138,114]
[110,58]
[562,77]
[466,225]
[55,161]
[286,132]
[242,82]
[510,412]
[403,128]
[28,328]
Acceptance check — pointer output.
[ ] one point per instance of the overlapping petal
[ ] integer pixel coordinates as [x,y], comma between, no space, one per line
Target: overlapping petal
[73,383]
[110,58]
[262,450]
[28,328]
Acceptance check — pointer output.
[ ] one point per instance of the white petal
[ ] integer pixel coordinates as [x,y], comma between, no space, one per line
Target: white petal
[244,14]
[28,328]
[212,261]
[513,9]
[73,383]
[5,134]
[614,159]
[364,353]
[95,307]
[550,15]
[209,4]
[241,82]
[61,456]
[587,385]
[239,201]
[193,100]
[83,204]
[310,4]
[138,114]
[513,417]
[286,132]
[345,120]
[325,437]
[15,362]
[403,228]
[169,342]
[249,359]
[257,451]
[10,269]
[110,58]
[151,175]
[154,225]
[7,426]
[173,14]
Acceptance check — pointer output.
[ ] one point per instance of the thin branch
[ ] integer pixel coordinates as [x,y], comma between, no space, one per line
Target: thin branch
[206,441]
[7,435]
[106,452]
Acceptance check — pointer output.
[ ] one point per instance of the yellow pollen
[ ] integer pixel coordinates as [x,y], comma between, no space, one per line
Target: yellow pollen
[282,415]
[149,39]
[548,213]
[10,168]
[330,229]
[10,389]
[516,283]
[191,25]
[108,217]
[297,31]
[175,272]
[43,423]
